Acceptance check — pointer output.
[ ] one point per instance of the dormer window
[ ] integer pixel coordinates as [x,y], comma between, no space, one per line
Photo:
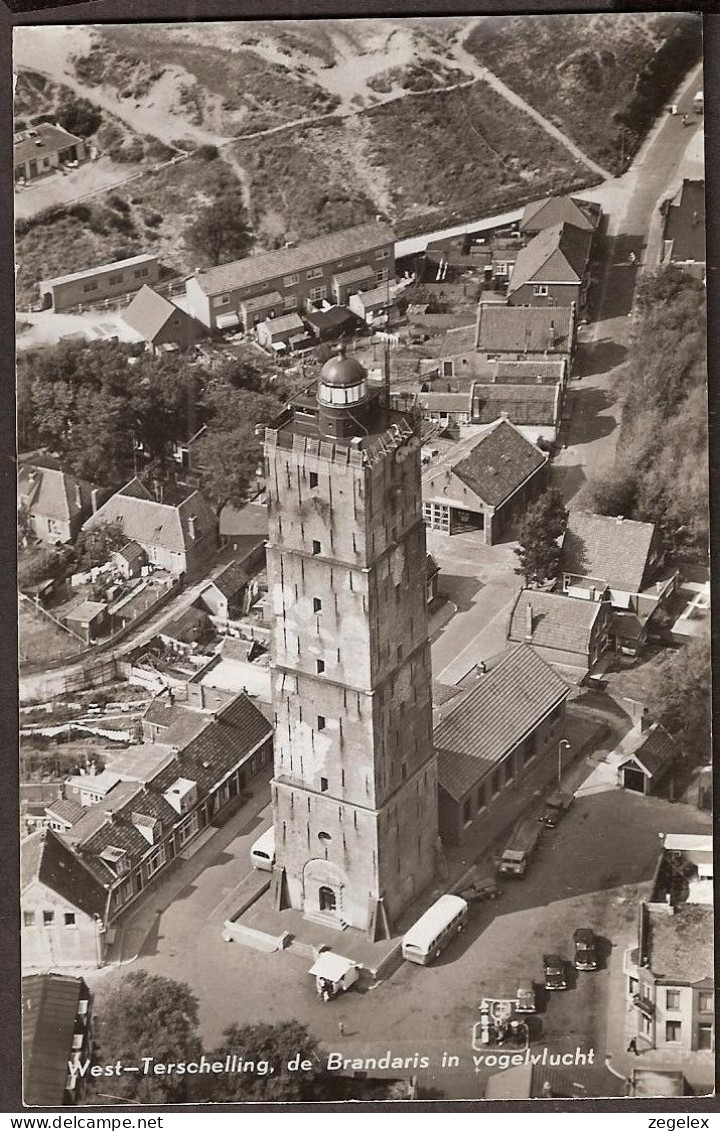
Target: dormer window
[116,859]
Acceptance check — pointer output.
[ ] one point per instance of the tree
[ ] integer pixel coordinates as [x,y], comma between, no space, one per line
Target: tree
[539,538]
[220,231]
[95,545]
[680,697]
[273,1046]
[37,563]
[148,1015]
[230,451]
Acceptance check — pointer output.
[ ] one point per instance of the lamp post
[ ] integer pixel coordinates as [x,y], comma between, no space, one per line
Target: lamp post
[562,743]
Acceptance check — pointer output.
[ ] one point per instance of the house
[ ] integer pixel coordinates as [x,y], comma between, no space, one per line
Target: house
[223,595]
[519,333]
[56,502]
[485,482]
[552,270]
[107,281]
[647,755]
[239,665]
[607,554]
[244,530]
[129,560]
[448,409]
[89,789]
[87,619]
[541,214]
[287,332]
[259,308]
[184,631]
[160,323]
[534,409]
[684,228]
[566,632]
[372,306]
[64,905]
[670,969]
[331,323]
[43,148]
[492,734]
[299,276]
[180,538]
[56,1034]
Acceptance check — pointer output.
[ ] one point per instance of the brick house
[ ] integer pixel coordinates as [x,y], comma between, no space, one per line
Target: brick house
[564,631]
[95,284]
[293,278]
[541,214]
[533,409]
[180,538]
[670,988]
[64,905]
[161,324]
[56,1033]
[57,503]
[492,735]
[526,333]
[484,482]
[44,148]
[552,270]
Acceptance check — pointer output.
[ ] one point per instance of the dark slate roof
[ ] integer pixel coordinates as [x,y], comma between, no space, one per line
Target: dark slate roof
[44,857]
[535,371]
[52,139]
[523,329]
[556,255]
[654,749]
[333,318]
[523,404]
[230,580]
[270,265]
[493,717]
[47,490]
[247,525]
[68,811]
[558,621]
[500,461]
[49,1016]
[184,626]
[553,210]
[685,224]
[610,549]
[149,313]
[444,402]
[158,524]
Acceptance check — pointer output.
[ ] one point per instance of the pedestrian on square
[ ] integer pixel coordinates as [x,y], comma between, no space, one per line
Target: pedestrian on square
[632,1047]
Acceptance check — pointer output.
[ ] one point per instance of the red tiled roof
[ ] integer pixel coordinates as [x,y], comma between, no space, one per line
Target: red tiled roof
[493,717]
[558,210]
[501,460]
[609,549]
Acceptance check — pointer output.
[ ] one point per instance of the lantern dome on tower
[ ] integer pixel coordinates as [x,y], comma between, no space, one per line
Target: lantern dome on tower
[343,381]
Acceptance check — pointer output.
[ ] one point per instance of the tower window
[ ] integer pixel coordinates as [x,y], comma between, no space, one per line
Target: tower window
[403,768]
[319,666]
[323,785]
[317,604]
[399,652]
[321,722]
[316,547]
[313,478]
[324,836]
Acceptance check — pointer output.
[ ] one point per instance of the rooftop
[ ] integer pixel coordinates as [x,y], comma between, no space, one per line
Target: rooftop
[523,404]
[493,717]
[148,522]
[118,265]
[41,140]
[247,525]
[285,323]
[270,265]
[49,1017]
[685,224]
[558,621]
[611,549]
[680,946]
[535,371]
[45,489]
[260,302]
[556,255]
[149,313]
[524,329]
[653,748]
[45,858]
[553,210]
[497,463]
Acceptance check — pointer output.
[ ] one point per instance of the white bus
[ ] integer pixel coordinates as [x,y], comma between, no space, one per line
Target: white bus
[262,853]
[434,929]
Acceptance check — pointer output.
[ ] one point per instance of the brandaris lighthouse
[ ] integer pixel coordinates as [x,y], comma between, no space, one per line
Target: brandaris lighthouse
[355,785]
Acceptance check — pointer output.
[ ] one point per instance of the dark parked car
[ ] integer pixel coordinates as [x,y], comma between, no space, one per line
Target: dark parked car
[554,969]
[585,949]
[479,891]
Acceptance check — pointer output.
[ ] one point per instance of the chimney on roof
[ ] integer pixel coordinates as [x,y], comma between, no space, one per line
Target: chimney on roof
[192,527]
[645,720]
[528,621]
[95,499]
[551,334]
[78,496]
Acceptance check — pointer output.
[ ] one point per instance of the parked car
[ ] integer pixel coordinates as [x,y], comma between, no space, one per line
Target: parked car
[585,949]
[525,1001]
[554,970]
[480,890]
[555,805]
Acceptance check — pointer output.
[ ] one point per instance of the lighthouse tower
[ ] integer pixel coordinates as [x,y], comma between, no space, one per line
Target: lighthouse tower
[355,785]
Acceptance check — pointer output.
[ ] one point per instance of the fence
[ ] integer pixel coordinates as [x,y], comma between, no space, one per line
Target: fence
[58,623]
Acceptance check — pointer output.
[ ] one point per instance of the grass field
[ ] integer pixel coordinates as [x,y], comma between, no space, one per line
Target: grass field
[39,641]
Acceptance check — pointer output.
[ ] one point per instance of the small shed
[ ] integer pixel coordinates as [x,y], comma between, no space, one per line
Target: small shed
[282,333]
[647,753]
[333,973]
[87,619]
[129,560]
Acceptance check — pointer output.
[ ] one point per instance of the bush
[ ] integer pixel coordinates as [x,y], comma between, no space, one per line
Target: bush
[118,204]
[207,152]
[78,116]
